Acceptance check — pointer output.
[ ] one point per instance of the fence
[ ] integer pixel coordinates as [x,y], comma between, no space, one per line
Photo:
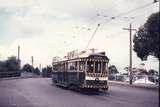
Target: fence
[10,74]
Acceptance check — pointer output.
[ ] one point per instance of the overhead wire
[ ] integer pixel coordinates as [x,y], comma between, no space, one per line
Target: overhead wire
[115,17]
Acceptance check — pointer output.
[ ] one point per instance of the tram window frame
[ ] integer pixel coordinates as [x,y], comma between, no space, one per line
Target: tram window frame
[98,67]
[62,67]
[72,66]
[81,66]
[90,67]
[104,65]
[55,68]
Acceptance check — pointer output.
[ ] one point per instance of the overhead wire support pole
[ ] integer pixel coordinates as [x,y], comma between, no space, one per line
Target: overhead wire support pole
[130,51]
[18,59]
[32,61]
[92,36]
[19,54]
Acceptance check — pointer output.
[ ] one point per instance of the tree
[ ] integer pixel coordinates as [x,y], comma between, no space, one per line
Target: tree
[12,64]
[37,71]
[10,67]
[147,40]
[112,69]
[153,75]
[47,71]
[152,72]
[28,68]
[2,67]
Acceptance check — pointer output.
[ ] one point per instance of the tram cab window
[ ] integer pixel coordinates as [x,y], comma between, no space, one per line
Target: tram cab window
[90,66]
[104,67]
[97,67]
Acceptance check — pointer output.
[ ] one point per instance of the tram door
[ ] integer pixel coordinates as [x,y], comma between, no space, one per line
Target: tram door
[65,72]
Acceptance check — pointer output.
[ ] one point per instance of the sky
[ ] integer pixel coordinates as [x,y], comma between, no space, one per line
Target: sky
[47,28]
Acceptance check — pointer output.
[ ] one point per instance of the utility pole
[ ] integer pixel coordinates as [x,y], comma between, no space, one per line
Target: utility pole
[18,52]
[32,62]
[19,55]
[130,51]
[40,67]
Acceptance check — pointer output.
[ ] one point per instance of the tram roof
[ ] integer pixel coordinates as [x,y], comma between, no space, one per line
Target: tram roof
[84,58]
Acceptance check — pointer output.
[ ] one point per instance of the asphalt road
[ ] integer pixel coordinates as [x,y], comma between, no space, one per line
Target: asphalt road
[39,92]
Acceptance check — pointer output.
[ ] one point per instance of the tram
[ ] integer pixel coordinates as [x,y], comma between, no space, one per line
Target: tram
[89,72]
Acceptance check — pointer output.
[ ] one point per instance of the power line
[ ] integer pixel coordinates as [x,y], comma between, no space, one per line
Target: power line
[115,34]
[125,13]
[130,11]
[121,14]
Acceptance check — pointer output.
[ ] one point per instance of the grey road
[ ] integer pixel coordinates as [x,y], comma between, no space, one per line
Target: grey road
[38,92]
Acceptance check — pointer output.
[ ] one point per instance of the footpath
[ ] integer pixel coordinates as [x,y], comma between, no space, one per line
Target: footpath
[146,86]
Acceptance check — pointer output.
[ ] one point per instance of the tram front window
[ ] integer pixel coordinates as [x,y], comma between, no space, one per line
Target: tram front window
[97,67]
[104,67]
[90,66]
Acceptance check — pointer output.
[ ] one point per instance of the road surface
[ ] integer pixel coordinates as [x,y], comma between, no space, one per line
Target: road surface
[39,92]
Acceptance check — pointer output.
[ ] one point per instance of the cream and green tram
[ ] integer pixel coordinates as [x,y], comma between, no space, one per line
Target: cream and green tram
[83,72]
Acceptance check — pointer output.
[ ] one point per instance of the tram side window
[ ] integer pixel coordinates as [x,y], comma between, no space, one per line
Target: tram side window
[72,65]
[81,66]
[90,66]
[62,67]
[55,68]
[59,67]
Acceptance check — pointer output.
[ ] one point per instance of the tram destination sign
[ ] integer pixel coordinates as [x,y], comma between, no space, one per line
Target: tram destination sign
[72,54]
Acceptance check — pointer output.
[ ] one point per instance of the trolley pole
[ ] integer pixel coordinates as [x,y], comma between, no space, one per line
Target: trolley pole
[130,51]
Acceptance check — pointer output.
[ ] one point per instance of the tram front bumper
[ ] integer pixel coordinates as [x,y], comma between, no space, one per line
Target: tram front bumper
[95,84]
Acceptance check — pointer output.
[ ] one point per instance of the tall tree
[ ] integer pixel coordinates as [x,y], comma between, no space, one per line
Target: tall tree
[147,40]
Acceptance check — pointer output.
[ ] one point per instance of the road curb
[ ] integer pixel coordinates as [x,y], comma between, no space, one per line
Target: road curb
[153,87]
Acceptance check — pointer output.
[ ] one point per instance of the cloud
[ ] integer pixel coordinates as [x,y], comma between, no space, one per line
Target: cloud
[47,28]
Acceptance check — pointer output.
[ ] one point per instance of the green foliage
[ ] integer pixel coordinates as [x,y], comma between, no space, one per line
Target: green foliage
[153,75]
[152,72]
[47,71]
[11,64]
[28,68]
[112,69]
[37,71]
[147,40]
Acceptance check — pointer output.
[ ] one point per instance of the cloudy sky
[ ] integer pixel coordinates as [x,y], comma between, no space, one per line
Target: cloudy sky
[48,28]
